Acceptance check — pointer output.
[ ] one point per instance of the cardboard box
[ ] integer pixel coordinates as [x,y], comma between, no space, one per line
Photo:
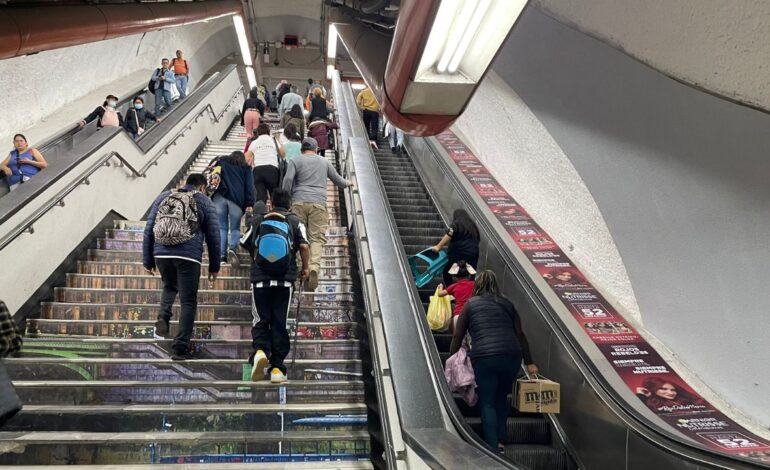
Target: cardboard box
[537,396]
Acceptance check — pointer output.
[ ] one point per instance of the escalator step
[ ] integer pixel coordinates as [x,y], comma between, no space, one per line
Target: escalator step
[443,341]
[521,430]
[537,457]
[429,232]
[398,208]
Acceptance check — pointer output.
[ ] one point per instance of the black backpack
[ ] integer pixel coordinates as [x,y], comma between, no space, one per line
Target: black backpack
[273,246]
[151,85]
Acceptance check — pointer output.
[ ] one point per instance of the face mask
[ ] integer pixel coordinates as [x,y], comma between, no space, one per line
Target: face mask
[138,106]
[112,104]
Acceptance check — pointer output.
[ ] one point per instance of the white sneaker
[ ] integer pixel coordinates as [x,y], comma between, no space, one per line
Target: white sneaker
[277,377]
[258,366]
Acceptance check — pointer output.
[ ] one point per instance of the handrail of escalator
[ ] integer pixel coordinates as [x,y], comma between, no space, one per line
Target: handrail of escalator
[346,102]
[660,437]
[58,199]
[146,141]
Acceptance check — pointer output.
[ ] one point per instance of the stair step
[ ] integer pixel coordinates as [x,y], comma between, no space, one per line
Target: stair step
[133,281]
[206,296]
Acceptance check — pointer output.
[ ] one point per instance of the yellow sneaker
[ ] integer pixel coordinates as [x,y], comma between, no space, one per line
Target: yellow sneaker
[258,365]
[277,377]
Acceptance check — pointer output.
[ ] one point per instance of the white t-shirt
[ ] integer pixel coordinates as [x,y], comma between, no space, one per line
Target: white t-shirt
[264,151]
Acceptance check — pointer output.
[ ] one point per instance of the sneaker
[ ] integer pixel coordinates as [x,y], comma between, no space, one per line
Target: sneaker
[312,281]
[232,258]
[161,328]
[393,150]
[258,365]
[277,377]
[182,356]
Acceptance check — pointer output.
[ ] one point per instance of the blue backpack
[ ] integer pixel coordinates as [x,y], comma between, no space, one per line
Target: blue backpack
[273,245]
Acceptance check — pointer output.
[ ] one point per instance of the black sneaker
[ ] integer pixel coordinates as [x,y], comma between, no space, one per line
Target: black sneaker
[161,328]
[182,356]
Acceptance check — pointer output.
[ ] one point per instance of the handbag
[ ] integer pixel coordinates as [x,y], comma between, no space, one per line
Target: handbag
[139,129]
[213,174]
[281,163]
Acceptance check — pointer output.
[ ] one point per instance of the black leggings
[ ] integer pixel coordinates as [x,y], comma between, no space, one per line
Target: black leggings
[265,181]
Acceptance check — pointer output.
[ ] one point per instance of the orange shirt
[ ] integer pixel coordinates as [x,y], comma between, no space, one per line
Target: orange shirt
[180,66]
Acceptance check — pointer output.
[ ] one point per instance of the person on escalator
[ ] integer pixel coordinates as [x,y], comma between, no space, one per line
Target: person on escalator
[22,163]
[137,118]
[106,115]
[273,242]
[499,345]
[179,222]
[370,110]
[461,290]
[306,178]
[463,240]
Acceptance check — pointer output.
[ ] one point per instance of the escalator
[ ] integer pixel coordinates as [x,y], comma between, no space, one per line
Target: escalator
[531,441]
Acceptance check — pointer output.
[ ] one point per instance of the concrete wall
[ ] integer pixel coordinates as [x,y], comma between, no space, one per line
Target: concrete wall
[677,175]
[722,46]
[36,87]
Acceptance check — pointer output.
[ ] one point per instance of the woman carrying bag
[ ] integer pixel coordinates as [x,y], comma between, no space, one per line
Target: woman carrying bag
[499,344]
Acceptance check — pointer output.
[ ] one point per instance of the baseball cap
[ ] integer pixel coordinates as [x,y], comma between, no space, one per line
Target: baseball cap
[309,143]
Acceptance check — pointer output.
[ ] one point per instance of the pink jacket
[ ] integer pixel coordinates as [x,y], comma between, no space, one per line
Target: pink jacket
[458,372]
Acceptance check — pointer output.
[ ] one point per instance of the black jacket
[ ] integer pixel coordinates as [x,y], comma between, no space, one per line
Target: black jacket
[136,118]
[494,326]
[300,238]
[318,108]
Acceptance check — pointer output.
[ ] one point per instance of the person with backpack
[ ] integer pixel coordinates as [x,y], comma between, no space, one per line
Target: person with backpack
[179,222]
[499,345]
[22,163]
[181,74]
[161,84]
[233,196]
[106,115]
[305,178]
[274,240]
[137,119]
[265,157]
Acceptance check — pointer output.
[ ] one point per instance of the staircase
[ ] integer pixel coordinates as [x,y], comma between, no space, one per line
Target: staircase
[99,388]
[530,441]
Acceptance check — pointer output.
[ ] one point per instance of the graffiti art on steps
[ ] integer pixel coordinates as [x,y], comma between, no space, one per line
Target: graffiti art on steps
[634,359]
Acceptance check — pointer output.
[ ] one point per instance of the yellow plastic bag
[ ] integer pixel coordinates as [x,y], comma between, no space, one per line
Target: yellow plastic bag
[439,312]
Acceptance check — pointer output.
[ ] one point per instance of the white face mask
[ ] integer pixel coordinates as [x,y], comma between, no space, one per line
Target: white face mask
[112,104]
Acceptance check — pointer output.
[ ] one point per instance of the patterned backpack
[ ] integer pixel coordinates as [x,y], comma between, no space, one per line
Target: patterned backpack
[176,221]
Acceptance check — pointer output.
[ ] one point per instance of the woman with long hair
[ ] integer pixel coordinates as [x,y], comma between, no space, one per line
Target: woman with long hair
[658,393]
[463,240]
[499,345]
[264,156]
[292,142]
[295,116]
[319,108]
[233,197]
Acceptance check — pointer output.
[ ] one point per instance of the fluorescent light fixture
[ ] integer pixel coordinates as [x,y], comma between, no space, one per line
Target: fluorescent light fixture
[464,38]
[329,71]
[357,86]
[240,31]
[331,48]
[251,77]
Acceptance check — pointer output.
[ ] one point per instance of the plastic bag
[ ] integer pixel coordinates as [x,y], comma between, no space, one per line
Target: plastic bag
[439,312]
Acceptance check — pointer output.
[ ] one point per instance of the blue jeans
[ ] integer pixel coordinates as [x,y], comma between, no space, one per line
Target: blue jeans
[229,215]
[162,95]
[181,86]
[494,378]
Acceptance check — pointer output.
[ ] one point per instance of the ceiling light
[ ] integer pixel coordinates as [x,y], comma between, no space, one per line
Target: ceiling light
[357,86]
[251,77]
[331,49]
[329,71]
[243,41]
[464,38]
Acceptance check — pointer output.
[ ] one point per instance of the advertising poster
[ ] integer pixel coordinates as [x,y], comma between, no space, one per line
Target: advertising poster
[636,362]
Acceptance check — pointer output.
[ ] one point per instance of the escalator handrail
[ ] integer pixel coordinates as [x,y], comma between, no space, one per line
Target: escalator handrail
[588,369]
[58,199]
[446,397]
[41,182]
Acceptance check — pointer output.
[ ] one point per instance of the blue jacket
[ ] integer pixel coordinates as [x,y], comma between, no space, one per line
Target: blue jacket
[193,249]
[238,184]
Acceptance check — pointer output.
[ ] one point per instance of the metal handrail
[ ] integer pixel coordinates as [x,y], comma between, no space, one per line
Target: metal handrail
[83,178]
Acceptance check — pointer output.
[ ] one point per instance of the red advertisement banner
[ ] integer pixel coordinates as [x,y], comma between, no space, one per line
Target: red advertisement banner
[634,359]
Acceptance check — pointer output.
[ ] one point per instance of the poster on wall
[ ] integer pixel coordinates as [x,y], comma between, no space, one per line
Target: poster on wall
[637,363]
